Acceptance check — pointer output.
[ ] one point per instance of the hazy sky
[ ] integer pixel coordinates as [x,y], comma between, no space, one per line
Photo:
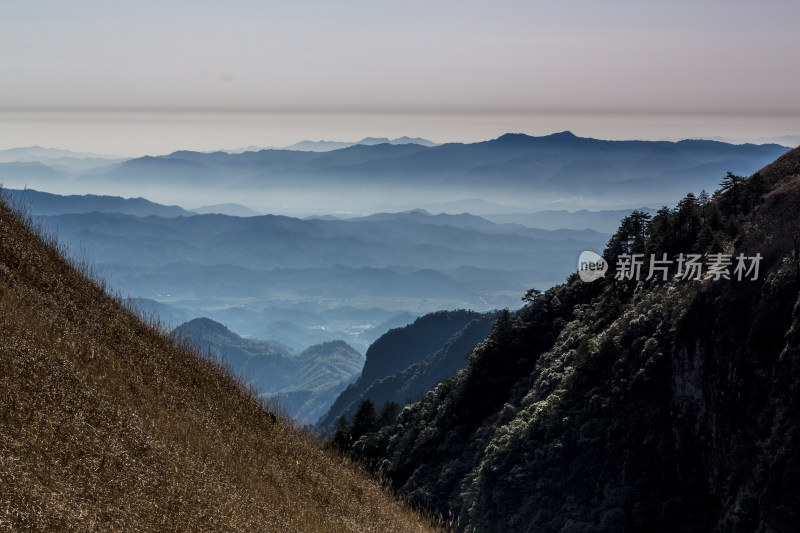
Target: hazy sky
[117,76]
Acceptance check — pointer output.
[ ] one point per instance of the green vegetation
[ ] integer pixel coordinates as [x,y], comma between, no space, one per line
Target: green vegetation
[107,425]
[624,405]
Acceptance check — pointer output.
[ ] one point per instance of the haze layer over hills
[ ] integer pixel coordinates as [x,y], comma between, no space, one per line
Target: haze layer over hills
[329,279]
[513,173]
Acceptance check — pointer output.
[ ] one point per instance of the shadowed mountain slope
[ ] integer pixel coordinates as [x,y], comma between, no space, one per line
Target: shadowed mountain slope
[631,405]
[395,351]
[419,378]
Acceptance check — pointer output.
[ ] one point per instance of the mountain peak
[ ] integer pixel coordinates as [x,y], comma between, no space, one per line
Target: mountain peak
[514,137]
[205,324]
[398,140]
[523,137]
[373,140]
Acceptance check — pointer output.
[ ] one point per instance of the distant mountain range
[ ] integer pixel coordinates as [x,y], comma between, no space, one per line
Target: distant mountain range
[65,161]
[293,336]
[521,172]
[43,203]
[321,279]
[303,282]
[790,141]
[327,146]
[446,260]
[38,153]
[604,221]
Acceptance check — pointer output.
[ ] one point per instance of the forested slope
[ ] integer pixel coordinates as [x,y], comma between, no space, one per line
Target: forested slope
[625,405]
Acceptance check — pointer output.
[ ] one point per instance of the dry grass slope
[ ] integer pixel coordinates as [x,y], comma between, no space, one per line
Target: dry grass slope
[107,425]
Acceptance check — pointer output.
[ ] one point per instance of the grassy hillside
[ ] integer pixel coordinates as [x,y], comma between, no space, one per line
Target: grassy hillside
[106,424]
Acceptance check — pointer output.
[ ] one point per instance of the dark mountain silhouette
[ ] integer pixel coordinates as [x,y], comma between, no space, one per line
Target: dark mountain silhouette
[421,377]
[395,351]
[625,405]
[340,160]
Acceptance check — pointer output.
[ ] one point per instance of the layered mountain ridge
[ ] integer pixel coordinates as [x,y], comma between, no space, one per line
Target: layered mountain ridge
[517,170]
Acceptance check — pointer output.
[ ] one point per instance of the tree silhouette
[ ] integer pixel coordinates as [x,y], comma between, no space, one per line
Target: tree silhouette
[731,182]
[365,420]
[388,413]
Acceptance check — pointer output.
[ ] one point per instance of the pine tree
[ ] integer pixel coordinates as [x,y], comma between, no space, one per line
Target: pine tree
[639,230]
[662,234]
[732,183]
[532,296]
[365,420]
[631,237]
[688,220]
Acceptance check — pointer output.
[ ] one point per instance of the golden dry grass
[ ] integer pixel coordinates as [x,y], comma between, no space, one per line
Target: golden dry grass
[106,424]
